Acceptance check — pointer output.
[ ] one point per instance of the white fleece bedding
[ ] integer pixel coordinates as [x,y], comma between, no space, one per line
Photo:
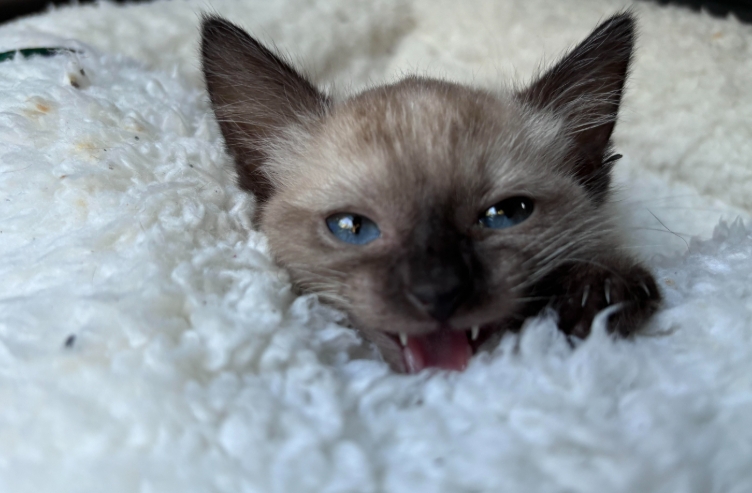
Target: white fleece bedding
[148,344]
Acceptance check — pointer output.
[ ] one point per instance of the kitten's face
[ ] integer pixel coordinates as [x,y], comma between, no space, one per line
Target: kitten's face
[425,162]
[434,214]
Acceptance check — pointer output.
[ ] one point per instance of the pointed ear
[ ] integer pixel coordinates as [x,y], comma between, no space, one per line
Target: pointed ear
[585,88]
[255,96]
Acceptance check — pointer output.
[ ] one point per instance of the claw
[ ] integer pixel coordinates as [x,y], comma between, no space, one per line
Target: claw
[585,295]
[607,289]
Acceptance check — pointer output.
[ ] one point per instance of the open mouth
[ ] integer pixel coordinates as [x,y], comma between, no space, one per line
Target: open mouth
[445,348]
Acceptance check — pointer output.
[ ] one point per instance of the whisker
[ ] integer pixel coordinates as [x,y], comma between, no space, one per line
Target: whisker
[667,229]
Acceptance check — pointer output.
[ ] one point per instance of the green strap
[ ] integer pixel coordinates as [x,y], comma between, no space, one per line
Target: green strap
[30,52]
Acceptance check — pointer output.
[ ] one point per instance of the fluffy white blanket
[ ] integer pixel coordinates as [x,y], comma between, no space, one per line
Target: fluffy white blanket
[148,344]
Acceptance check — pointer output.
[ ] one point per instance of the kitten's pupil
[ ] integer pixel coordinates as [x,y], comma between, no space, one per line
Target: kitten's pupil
[353,228]
[506,213]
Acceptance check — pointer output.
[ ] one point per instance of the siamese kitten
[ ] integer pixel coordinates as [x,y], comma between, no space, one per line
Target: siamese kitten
[434,214]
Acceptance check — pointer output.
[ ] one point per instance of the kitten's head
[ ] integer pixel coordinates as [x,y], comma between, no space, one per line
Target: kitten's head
[429,211]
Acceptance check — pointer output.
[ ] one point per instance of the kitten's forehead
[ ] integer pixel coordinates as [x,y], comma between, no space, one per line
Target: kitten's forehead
[425,139]
[425,123]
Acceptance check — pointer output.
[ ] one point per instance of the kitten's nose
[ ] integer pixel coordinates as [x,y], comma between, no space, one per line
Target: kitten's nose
[439,300]
[440,273]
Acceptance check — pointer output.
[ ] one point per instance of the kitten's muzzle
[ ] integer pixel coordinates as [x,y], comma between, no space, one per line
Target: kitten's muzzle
[438,282]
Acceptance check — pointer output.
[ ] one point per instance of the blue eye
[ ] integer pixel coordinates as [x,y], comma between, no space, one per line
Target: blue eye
[352,228]
[507,213]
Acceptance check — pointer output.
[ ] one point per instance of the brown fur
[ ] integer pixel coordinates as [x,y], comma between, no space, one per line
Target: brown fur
[423,158]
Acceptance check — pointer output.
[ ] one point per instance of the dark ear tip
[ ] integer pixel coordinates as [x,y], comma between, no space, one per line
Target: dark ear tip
[626,17]
[212,24]
[621,25]
[214,27]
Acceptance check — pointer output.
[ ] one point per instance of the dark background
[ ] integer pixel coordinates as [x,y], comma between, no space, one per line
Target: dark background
[741,8]
[10,9]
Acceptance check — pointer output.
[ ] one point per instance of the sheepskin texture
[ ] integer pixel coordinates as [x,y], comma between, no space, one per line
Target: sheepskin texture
[149,344]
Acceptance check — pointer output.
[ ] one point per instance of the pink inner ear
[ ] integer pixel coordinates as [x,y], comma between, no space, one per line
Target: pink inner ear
[446,349]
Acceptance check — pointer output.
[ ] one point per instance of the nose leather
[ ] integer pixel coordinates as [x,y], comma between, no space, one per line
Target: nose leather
[440,299]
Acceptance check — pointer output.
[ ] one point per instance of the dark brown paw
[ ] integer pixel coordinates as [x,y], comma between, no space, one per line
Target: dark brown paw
[588,290]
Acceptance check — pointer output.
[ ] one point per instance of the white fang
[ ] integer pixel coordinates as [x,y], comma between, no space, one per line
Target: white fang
[403,338]
[474,332]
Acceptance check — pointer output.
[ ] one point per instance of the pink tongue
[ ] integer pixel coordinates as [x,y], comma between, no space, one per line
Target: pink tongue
[447,349]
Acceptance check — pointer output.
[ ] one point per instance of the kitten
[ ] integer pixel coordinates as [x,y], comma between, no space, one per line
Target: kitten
[434,214]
